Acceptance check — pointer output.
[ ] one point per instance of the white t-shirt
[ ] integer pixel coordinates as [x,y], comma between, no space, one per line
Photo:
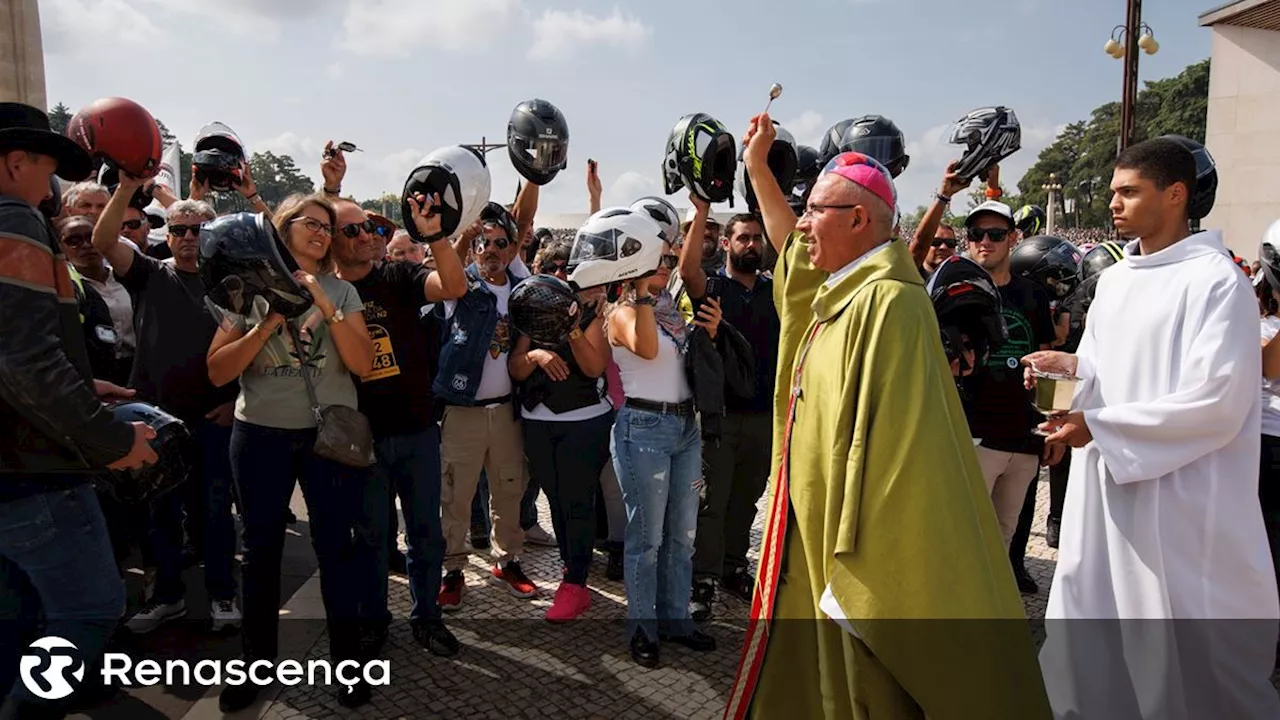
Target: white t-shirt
[120,306]
[1270,388]
[495,381]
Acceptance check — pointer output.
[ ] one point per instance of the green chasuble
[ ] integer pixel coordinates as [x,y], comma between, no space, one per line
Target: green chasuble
[889,512]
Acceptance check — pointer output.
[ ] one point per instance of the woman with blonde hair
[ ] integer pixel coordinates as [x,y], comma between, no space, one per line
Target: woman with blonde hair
[275,432]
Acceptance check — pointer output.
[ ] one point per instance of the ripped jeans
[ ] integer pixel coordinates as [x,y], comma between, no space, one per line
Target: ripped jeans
[658,459]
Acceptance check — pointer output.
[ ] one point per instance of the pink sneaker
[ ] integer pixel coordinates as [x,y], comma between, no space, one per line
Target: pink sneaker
[571,601]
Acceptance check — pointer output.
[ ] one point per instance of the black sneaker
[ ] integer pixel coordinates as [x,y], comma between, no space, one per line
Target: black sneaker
[436,638]
[1052,531]
[397,563]
[704,595]
[1026,585]
[696,641]
[479,538]
[235,698]
[354,695]
[739,583]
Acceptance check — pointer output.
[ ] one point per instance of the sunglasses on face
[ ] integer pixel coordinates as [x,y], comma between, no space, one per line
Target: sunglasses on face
[669,262]
[383,231]
[131,224]
[353,230]
[940,241]
[314,225]
[78,240]
[482,243]
[551,268]
[996,234]
[180,230]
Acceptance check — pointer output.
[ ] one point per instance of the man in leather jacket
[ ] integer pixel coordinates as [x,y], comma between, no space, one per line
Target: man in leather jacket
[57,432]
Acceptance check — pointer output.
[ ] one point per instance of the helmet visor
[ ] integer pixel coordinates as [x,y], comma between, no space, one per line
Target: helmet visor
[885,150]
[593,246]
[544,154]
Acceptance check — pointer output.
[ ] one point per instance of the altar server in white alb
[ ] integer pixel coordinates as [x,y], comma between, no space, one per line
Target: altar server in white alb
[1162,521]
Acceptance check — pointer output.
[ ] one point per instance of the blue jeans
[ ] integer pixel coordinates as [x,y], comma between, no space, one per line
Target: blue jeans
[658,459]
[409,465]
[58,540]
[265,462]
[211,476]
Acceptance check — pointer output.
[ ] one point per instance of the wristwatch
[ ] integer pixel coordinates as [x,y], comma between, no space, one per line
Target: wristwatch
[337,317]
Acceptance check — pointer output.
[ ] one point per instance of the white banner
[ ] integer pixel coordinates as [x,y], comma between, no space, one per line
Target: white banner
[170,170]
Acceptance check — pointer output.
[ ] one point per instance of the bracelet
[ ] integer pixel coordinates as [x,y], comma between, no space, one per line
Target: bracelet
[327,191]
[249,198]
[649,300]
[994,193]
[944,199]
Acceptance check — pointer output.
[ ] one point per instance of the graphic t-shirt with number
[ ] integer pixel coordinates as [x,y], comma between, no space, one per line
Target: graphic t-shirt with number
[495,381]
[396,394]
[1001,411]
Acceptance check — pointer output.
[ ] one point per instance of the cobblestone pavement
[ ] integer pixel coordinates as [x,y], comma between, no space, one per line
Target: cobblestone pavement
[515,665]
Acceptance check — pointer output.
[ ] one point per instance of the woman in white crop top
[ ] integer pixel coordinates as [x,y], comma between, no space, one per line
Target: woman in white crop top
[657,454]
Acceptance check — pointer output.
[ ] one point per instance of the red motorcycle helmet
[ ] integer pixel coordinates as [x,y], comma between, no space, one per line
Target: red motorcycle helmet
[121,132]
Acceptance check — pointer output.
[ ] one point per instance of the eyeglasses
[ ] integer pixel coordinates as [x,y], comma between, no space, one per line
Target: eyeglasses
[996,234]
[551,268]
[314,225]
[940,241]
[78,240]
[669,261]
[815,209]
[353,230]
[131,224]
[180,230]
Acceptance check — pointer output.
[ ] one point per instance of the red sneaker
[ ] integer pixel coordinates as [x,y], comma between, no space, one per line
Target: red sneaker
[451,588]
[517,582]
[571,601]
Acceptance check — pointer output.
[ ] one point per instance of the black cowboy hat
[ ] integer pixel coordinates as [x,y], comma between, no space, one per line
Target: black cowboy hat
[23,127]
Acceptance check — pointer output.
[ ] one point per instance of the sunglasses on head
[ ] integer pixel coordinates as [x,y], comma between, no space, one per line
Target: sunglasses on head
[669,261]
[996,234]
[180,230]
[77,240]
[353,230]
[940,241]
[131,224]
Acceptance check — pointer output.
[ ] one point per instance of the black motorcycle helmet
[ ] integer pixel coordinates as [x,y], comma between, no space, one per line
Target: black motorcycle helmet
[109,176]
[877,137]
[989,135]
[218,157]
[242,258]
[538,141]
[1206,190]
[808,167]
[171,443]
[544,308]
[1102,256]
[783,162]
[967,304]
[495,214]
[701,156]
[1030,220]
[1052,262]
[832,141]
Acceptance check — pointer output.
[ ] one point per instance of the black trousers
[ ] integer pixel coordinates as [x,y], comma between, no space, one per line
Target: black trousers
[1058,486]
[736,471]
[1018,545]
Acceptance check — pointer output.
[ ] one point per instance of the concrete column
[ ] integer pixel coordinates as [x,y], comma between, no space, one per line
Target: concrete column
[21,54]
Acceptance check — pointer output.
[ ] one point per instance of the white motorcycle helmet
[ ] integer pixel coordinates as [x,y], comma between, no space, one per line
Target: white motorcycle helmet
[615,245]
[663,213]
[460,176]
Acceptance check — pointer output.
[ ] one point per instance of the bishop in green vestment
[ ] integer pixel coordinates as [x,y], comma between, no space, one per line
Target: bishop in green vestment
[884,590]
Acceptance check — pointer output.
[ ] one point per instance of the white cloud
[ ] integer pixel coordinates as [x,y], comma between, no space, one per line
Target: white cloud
[81,27]
[557,34]
[629,186]
[397,28]
[302,149]
[807,128]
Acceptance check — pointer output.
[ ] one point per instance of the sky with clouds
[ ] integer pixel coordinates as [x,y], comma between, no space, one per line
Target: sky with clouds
[402,77]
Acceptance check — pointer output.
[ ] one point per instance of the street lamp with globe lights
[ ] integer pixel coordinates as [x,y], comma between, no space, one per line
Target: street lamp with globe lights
[1124,44]
[1051,188]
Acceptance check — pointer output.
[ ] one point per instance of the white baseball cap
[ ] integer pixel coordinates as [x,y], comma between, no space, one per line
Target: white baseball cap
[691,213]
[991,206]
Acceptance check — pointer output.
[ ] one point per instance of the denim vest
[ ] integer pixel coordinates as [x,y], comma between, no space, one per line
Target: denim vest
[464,340]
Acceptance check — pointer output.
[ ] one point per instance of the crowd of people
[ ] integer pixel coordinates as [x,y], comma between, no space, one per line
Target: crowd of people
[798,348]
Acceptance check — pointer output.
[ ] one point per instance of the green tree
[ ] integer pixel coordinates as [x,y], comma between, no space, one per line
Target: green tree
[277,177]
[165,135]
[59,117]
[388,206]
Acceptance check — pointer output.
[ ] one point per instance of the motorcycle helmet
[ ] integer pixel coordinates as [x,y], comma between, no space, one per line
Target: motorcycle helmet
[1052,262]
[119,132]
[967,304]
[544,308]
[218,158]
[1101,257]
[109,177]
[496,215]
[1269,255]
[1206,189]
[615,245]
[1030,220]
[832,141]
[663,213]
[700,156]
[783,162]
[538,141]
[808,167]
[460,176]
[243,258]
[172,447]
[878,137]
[989,135]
